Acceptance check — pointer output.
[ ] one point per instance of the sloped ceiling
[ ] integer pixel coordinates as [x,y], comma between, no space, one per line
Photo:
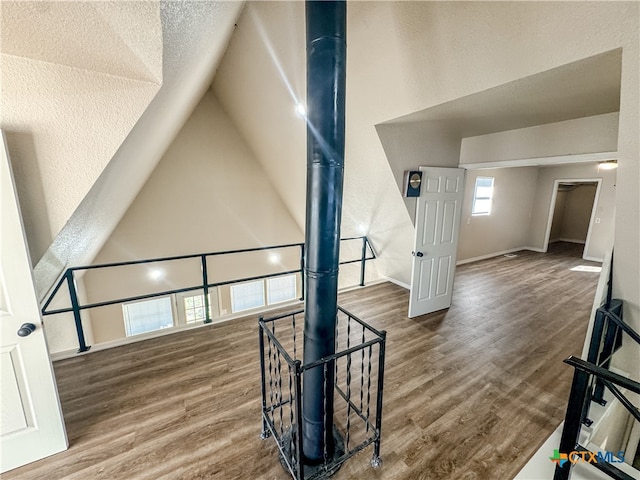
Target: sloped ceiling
[66,66]
[584,88]
[92,95]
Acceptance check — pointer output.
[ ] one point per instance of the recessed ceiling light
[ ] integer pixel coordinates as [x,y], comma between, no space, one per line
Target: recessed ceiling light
[156,274]
[274,258]
[300,110]
[608,165]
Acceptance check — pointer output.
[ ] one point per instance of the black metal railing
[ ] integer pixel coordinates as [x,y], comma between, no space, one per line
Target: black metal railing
[359,371]
[606,339]
[76,307]
[569,442]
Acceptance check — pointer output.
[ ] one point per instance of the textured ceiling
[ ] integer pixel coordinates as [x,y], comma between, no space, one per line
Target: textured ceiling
[66,69]
[579,89]
[116,38]
[193,39]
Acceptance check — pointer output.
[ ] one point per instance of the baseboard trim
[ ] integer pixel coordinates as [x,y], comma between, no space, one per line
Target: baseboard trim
[569,240]
[406,286]
[593,259]
[497,254]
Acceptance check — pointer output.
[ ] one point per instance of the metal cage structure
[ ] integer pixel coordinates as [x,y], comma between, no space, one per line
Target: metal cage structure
[357,392]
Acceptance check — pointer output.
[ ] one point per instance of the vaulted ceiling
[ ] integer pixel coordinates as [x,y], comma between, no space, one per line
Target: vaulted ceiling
[92,93]
[65,66]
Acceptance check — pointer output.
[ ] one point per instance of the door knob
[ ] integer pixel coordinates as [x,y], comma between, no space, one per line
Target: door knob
[26,329]
[417,254]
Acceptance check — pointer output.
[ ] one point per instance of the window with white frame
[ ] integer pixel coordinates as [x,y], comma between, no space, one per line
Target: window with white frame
[147,316]
[245,296]
[194,308]
[482,196]
[281,289]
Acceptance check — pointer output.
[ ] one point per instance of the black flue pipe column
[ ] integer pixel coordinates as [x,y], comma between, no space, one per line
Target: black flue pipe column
[326,65]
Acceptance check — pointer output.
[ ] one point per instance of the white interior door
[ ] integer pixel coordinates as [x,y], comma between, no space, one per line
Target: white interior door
[31,420]
[437,226]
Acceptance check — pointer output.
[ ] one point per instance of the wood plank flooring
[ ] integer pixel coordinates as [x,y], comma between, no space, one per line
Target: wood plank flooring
[470,393]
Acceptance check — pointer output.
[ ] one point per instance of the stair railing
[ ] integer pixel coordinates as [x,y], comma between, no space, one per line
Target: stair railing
[591,378]
[69,276]
[570,448]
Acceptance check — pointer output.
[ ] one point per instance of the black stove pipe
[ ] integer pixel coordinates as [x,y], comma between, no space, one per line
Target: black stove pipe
[326,78]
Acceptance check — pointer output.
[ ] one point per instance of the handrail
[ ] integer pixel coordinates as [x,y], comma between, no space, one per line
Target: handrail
[603,373]
[606,338]
[162,259]
[367,253]
[591,377]
[624,326]
[574,416]
[169,292]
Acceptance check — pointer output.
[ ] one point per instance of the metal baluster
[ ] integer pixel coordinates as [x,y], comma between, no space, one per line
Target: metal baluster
[298,392]
[363,260]
[325,453]
[265,429]
[302,275]
[369,387]
[348,400]
[280,400]
[293,322]
[376,461]
[275,381]
[77,317]
[270,378]
[336,336]
[572,422]
[362,371]
[292,441]
[205,289]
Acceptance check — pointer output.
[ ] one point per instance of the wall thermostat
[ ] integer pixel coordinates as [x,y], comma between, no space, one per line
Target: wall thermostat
[411,183]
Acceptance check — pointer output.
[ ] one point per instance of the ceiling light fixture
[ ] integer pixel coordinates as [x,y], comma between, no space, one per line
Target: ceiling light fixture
[608,165]
[274,258]
[300,110]
[156,274]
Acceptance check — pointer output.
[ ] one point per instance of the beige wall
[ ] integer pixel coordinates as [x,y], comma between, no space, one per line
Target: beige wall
[558,216]
[579,136]
[602,233]
[407,146]
[400,60]
[404,57]
[207,194]
[577,214]
[507,228]
[521,208]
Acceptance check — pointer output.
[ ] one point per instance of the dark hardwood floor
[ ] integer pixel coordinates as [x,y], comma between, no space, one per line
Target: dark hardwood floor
[470,393]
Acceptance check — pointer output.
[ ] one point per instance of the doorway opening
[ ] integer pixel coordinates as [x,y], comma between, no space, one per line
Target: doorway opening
[572,213]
